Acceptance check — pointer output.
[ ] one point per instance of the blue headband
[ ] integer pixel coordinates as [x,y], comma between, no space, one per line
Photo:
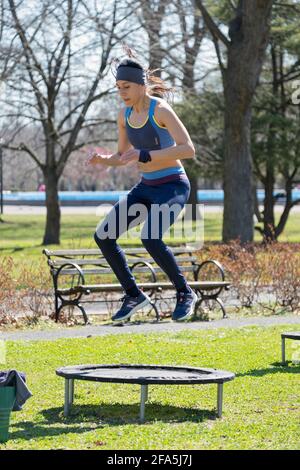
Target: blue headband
[131,74]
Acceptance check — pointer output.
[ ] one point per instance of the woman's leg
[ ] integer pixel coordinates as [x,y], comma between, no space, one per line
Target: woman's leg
[167,204]
[115,223]
[172,196]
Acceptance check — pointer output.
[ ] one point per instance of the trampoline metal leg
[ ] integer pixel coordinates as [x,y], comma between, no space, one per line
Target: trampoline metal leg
[67,397]
[71,400]
[144,396]
[220,400]
[283,350]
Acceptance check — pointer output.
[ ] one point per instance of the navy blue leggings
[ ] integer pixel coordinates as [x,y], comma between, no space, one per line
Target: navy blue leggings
[149,204]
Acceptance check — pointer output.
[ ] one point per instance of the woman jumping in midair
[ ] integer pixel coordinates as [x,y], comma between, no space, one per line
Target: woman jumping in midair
[152,135]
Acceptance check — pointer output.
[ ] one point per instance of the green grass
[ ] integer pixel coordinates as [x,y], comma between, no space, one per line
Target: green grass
[261,406]
[21,235]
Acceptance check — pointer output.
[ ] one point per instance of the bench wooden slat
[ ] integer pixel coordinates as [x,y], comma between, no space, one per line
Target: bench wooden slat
[142,269]
[95,251]
[99,261]
[79,252]
[207,285]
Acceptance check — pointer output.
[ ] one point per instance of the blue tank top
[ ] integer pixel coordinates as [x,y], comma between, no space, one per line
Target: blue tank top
[152,136]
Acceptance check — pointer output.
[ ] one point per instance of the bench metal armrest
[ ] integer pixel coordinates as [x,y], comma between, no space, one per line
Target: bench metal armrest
[220,275]
[81,279]
[152,272]
[220,268]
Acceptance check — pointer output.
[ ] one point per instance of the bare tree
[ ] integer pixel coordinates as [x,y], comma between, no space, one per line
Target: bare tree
[245,50]
[187,38]
[276,136]
[66,49]
[153,12]
[191,39]
[10,54]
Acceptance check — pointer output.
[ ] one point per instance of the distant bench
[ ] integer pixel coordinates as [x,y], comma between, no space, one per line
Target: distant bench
[72,267]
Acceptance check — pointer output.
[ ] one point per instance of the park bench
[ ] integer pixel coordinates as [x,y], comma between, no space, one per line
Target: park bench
[72,270]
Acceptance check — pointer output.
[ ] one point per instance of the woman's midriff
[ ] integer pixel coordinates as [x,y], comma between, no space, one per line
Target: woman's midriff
[150,166]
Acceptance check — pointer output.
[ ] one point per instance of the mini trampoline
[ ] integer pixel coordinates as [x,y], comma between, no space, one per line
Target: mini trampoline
[143,375]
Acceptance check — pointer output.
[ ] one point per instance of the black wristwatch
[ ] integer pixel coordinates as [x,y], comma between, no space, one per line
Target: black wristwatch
[144,156]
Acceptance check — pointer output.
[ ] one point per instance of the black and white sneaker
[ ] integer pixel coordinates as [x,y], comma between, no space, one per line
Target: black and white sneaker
[130,306]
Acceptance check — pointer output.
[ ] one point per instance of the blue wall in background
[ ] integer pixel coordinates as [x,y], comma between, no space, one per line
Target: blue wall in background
[204,196]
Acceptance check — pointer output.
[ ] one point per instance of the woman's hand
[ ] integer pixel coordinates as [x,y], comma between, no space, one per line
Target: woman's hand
[94,158]
[131,156]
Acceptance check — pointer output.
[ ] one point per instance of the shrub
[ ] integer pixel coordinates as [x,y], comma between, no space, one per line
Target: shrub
[9,300]
[24,292]
[253,269]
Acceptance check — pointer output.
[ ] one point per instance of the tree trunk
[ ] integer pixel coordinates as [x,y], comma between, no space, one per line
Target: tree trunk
[156,53]
[256,203]
[52,229]
[249,33]
[238,193]
[269,221]
[193,199]
[287,208]
[153,12]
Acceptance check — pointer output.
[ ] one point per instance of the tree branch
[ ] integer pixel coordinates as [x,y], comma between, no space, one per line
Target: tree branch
[66,42]
[90,124]
[218,52]
[23,148]
[91,97]
[73,110]
[28,53]
[211,25]
[259,229]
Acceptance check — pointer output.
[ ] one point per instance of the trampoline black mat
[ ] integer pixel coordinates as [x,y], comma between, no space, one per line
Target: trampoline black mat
[145,374]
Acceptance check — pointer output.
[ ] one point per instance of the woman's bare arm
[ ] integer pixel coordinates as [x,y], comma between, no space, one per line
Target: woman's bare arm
[123,142]
[184,147]
[123,146]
